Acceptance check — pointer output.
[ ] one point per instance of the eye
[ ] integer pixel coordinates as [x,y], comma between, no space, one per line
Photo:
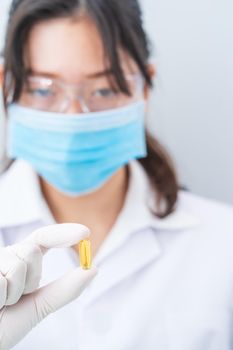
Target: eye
[40,92]
[105,92]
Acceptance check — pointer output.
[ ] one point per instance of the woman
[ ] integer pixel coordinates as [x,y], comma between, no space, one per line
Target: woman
[76,85]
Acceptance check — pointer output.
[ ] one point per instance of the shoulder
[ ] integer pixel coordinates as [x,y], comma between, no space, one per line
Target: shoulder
[216,218]
[20,198]
[208,210]
[210,244]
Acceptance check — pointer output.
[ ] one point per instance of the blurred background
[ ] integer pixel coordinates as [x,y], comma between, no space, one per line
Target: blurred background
[191,109]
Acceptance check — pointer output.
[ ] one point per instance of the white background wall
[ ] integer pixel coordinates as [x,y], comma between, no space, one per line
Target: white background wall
[192,110]
[192,106]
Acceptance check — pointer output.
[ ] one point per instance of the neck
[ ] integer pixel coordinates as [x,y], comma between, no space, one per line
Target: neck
[98,210]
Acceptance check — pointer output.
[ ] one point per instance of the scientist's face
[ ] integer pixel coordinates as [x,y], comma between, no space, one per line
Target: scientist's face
[72,52]
[62,56]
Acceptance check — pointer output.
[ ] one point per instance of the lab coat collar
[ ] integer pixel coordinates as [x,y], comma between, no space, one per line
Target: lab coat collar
[137,214]
[21,202]
[134,256]
[133,244]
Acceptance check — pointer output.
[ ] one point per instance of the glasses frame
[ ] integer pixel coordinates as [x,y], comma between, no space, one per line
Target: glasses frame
[71,89]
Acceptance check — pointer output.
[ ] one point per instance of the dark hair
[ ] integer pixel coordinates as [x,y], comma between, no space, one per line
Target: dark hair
[120,24]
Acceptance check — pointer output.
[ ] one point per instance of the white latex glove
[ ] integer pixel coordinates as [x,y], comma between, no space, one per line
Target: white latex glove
[22,305]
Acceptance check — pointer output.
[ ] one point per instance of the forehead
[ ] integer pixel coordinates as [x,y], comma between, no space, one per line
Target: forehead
[70,49]
[63,45]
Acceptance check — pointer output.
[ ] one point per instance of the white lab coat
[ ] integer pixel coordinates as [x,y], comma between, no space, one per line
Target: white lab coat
[162,284]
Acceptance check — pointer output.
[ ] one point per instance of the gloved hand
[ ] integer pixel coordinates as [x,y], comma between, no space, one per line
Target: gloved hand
[22,305]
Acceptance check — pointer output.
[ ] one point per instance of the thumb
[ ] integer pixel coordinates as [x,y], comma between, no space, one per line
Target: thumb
[62,291]
[33,308]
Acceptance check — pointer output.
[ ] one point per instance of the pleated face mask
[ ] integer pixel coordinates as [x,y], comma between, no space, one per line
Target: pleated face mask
[77,153]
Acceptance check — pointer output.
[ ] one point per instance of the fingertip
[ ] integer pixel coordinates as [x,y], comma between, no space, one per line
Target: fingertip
[60,235]
[93,271]
[87,275]
[76,227]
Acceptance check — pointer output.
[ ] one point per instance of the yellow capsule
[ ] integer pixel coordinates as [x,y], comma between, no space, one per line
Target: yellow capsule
[85,254]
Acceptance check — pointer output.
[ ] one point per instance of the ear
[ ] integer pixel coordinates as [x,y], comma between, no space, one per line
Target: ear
[1,74]
[152,72]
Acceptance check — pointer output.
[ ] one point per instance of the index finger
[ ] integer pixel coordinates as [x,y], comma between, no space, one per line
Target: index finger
[59,236]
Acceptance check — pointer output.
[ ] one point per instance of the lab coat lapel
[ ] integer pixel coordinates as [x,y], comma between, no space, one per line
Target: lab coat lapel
[134,255]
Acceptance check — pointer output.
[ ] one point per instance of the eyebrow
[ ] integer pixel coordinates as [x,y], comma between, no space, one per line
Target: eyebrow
[56,76]
[100,74]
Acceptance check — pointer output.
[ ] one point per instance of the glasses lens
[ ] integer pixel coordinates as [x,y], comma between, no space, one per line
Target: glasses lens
[104,97]
[41,94]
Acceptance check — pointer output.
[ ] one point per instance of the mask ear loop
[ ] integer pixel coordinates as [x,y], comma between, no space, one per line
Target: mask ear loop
[140,86]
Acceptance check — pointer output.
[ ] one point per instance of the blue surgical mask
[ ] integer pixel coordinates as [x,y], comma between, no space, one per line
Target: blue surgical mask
[77,153]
